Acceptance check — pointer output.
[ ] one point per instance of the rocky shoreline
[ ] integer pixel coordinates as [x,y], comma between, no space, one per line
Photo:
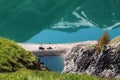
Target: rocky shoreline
[84,60]
[81,58]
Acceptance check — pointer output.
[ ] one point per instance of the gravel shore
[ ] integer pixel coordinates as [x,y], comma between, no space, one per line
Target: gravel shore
[52,49]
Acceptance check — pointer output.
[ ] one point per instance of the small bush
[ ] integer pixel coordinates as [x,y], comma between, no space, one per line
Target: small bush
[103,41]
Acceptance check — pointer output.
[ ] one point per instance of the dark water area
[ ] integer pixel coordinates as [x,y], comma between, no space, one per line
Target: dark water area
[53,63]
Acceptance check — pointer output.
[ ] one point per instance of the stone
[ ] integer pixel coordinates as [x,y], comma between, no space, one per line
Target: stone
[41,48]
[49,48]
[84,59]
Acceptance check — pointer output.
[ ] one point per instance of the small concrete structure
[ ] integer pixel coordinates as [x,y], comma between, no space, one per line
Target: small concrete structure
[52,49]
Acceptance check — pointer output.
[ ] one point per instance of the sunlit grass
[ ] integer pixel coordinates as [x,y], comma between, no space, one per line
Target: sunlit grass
[115,40]
[24,74]
[13,57]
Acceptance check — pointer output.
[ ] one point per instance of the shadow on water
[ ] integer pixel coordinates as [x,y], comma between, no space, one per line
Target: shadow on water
[53,63]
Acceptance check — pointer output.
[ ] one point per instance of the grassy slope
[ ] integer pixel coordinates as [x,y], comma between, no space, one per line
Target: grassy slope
[43,75]
[14,57]
[115,40]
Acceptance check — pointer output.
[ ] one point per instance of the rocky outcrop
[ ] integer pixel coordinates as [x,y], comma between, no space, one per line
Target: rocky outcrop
[82,59]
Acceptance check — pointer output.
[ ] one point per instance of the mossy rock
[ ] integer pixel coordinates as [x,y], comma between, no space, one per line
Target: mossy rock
[14,57]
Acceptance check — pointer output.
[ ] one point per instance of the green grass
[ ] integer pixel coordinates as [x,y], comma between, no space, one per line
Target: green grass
[115,40]
[24,74]
[14,57]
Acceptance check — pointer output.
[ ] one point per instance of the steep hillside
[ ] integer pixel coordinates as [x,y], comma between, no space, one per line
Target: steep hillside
[14,57]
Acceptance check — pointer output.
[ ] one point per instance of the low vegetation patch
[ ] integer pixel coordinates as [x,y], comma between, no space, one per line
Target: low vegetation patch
[115,40]
[44,75]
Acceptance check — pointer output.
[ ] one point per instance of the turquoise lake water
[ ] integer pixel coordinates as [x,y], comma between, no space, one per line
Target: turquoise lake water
[54,63]
[52,36]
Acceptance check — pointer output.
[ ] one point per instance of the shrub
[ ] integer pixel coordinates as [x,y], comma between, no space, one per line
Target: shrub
[103,41]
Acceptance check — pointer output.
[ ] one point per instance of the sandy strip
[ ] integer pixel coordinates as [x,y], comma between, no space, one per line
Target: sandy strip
[52,49]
